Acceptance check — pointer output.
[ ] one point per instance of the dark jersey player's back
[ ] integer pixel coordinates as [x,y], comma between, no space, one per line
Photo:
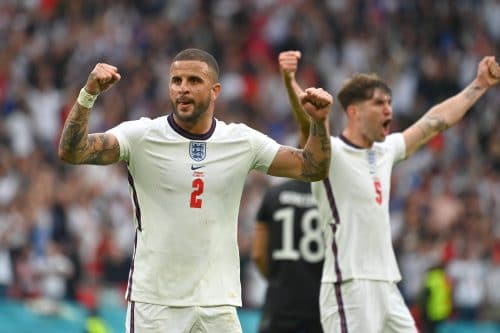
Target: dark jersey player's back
[295,252]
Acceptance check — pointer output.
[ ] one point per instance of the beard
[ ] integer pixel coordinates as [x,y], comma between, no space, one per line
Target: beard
[199,109]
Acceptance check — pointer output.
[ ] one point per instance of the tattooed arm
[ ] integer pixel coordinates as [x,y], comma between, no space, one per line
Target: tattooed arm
[449,112]
[311,163]
[76,146]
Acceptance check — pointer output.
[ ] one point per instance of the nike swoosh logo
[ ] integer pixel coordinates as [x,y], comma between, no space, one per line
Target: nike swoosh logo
[196,167]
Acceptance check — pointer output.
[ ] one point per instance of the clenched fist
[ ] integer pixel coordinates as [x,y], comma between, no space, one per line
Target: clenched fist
[289,61]
[488,72]
[317,102]
[102,77]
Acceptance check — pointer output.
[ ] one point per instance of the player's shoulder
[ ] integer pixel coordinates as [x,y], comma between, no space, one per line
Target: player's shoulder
[132,128]
[342,144]
[143,122]
[236,130]
[392,139]
[392,142]
[233,126]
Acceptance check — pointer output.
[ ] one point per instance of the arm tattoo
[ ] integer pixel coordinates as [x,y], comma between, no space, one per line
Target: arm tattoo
[313,168]
[99,149]
[430,125]
[473,92]
[81,148]
[74,134]
[320,131]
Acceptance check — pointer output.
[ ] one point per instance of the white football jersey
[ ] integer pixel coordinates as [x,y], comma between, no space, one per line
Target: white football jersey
[186,190]
[354,208]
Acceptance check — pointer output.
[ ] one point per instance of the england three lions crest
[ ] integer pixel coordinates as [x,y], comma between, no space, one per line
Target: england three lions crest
[197,150]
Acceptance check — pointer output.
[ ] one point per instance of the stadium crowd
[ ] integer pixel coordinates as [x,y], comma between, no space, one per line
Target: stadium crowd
[66,232]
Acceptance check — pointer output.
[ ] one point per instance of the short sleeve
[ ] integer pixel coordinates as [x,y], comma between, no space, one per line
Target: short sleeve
[265,149]
[128,133]
[397,143]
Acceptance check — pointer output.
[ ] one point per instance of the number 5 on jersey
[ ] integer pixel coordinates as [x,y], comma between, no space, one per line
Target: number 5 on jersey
[378,191]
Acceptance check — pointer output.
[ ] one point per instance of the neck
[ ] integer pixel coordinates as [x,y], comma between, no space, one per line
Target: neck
[357,138]
[197,124]
[186,129]
[198,127]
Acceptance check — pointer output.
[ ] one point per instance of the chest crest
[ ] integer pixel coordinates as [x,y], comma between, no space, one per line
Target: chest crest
[197,150]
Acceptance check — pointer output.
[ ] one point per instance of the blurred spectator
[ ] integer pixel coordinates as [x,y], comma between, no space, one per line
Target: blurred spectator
[44,103]
[467,272]
[6,272]
[95,324]
[427,49]
[436,299]
[53,270]
[26,286]
[114,261]
[492,303]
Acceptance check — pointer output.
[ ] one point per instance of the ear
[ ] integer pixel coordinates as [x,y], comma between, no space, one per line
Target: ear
[351,111]
[216,90]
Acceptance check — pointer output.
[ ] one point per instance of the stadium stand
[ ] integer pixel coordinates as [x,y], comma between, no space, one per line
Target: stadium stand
[65,232]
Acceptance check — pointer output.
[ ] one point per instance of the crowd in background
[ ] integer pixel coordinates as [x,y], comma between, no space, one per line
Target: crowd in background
[66,231]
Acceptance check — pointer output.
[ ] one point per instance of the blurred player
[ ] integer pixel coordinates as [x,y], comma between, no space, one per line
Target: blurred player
[288,249]
[359,291]
[186,174]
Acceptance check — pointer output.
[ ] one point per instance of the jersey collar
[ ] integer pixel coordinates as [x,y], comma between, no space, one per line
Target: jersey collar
[186,134]
[349,142]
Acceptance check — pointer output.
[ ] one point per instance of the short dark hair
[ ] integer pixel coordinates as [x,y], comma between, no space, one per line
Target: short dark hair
[199,55]
[361,88]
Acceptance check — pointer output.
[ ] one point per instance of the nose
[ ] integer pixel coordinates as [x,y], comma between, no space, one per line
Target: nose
[387,109]
[183,86]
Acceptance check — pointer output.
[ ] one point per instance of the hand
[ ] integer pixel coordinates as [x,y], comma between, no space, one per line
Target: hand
[102,77]
[317,103]
[488,72]
[289,61]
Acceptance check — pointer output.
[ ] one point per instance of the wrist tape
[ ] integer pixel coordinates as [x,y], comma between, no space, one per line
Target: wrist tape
[85,99]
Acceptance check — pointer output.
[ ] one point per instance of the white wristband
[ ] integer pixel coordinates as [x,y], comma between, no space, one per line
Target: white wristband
[85,99]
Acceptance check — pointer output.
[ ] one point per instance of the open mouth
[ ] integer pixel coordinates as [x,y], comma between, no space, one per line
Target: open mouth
[184,102]
[387,126]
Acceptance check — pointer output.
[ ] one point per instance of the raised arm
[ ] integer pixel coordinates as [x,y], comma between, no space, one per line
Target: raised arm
[288,61]
[449,112]
[311,163]
[76,146]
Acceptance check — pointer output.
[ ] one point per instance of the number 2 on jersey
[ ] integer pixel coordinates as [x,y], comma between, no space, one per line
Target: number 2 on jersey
[198,187]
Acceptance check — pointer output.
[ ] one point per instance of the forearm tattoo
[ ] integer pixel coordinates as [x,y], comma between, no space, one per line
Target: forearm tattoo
[312,168]
[320,131]
[81,148]
[473,92]
[430,125]
[74,134]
